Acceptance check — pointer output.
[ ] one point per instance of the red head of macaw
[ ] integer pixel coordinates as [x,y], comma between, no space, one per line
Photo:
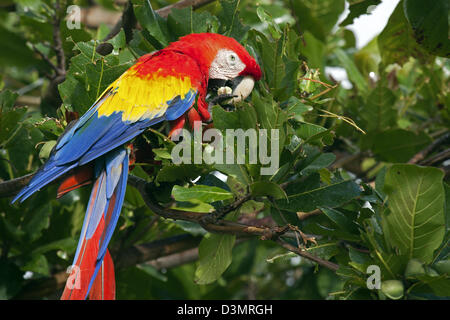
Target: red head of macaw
[160,86]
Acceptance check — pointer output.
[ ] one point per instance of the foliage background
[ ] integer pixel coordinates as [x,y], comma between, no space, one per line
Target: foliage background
[363,169]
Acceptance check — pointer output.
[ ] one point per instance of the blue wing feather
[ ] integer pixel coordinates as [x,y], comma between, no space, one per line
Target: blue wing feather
[93,136]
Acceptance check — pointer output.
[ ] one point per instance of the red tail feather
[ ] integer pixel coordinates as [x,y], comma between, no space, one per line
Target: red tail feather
[104,287]
[80,176]
[78,282]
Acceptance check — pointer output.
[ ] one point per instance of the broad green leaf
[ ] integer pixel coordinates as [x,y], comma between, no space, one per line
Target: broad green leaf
[398,145]
[314,51]
[429,21]
[440,285]
[230,22]
[154,26]
[414,222]
[304,197]
[214,257]
[396,42]
[185,21]
[379,111]
[317,17]
[279,61]
[200,192]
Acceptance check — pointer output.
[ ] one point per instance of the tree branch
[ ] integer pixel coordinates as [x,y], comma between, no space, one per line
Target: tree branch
[422,154]
[11,187]
[223,226]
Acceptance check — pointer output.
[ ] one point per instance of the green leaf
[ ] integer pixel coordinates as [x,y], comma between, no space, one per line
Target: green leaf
[352,70]
[398,145]
[152,23]
[47,149]
[38,264]
[152,271]
[10,279]
[324,160]
[230,23]
[341,220]
[193,205]
[50,127]
[7,99]
[414,221]
[314,50]
[315,134]
[215,255]
[66,244]
[307,196]
[9,116]
[266,188]
[358,8]
[379,110]
[273,28]
[439,285]
[429,22]
[317,17]
[201,192]
[396,42]
[40,220]
[185,21]
[297,108]
[171,173]
[15,52]
[280,65]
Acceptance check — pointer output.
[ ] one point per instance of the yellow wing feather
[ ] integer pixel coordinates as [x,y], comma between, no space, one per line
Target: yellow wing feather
[143,97]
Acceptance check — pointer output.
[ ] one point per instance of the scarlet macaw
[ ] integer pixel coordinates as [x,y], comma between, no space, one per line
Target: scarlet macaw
[161,86]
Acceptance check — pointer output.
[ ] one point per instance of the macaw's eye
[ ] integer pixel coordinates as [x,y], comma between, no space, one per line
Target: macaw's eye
[232,58]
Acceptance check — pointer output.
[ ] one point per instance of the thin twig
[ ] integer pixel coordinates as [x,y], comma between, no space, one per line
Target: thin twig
[422,154]
[303,253]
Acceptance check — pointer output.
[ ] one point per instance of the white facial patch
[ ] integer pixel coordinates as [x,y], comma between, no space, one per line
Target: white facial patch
[226,65]
[243,89]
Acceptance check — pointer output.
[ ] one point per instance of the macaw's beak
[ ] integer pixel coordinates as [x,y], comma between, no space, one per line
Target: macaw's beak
[231,91]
